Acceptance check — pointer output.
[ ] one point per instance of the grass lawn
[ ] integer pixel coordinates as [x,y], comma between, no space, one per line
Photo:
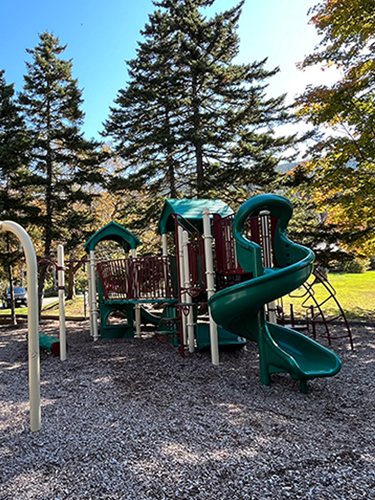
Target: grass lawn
[355,293]
[72,308]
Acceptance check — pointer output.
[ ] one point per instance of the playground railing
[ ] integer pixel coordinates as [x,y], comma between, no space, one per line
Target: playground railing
[259,229]
[141,278]
[225,245]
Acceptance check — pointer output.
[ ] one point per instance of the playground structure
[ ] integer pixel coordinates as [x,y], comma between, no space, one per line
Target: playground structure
[254,265]
[246,265]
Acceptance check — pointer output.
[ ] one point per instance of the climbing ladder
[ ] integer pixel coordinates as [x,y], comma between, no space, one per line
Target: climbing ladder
[317,321]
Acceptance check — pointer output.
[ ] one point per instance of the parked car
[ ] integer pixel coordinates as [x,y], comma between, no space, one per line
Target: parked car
[20,297]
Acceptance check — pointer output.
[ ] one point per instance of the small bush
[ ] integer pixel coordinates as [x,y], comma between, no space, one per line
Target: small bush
[357,266]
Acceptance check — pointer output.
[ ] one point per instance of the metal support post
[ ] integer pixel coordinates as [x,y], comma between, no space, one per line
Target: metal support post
[267,258]
[181,278]
[137,306]
[210,274]
[165,247]
[188,299]
[61,288]
[32,319]
[93,308]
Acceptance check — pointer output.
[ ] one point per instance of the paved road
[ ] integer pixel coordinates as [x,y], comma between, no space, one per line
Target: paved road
[46,301]
[50,300]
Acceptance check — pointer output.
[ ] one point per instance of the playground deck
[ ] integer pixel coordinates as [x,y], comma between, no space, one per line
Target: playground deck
[133,420]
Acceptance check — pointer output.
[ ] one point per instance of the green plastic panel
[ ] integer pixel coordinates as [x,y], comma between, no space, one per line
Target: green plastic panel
[113,232]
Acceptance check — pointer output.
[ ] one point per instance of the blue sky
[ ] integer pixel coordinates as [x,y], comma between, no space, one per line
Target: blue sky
[102,35]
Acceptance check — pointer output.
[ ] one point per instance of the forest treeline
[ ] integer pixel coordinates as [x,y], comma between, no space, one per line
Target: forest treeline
[190,122]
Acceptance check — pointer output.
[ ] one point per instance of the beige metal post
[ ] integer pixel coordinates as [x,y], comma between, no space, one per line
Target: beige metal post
[267,258]
[165,254]
[93,309]
[61,281]
[210,283]
[188,299]
[137,307]
[165,246]
[180,256]
[32,319]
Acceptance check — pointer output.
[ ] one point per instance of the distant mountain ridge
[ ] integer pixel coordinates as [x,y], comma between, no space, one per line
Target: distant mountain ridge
[287,167]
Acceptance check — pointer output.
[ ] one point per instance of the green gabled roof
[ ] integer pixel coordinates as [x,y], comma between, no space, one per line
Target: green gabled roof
[190,210]
[113,232]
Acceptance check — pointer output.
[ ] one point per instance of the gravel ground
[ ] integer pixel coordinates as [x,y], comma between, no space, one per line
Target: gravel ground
[131,419]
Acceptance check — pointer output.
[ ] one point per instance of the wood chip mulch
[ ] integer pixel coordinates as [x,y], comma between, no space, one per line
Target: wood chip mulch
[131,419]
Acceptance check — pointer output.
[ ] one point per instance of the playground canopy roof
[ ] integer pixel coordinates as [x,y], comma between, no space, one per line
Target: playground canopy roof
[191,210]
[113,232]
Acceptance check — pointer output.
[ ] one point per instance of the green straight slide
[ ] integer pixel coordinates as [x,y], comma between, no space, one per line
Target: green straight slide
[240,308]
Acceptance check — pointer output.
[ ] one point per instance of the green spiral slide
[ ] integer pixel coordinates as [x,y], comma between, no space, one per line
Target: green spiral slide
[240,308]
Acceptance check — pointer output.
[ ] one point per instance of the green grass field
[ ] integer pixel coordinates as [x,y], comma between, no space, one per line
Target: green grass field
[19,310]
[72,308]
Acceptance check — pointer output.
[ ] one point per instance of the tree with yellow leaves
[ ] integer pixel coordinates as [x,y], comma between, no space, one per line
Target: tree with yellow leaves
[341,163]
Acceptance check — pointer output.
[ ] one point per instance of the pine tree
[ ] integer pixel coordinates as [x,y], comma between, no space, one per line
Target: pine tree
[144,122]
[64,163]
[15,202]
[227,126]
[14,148]
[191,122]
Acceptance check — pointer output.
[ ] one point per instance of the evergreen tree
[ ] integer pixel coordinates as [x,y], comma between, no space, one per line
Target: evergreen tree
[203,121]
[14,147]
[227,126]
[143,124]
[15,202]
[64,163]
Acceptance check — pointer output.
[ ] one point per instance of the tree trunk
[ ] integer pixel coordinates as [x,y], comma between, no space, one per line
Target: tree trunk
[199,166]
[71,282]
[170,160]
[172,178]
[49,212]
[197,140]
